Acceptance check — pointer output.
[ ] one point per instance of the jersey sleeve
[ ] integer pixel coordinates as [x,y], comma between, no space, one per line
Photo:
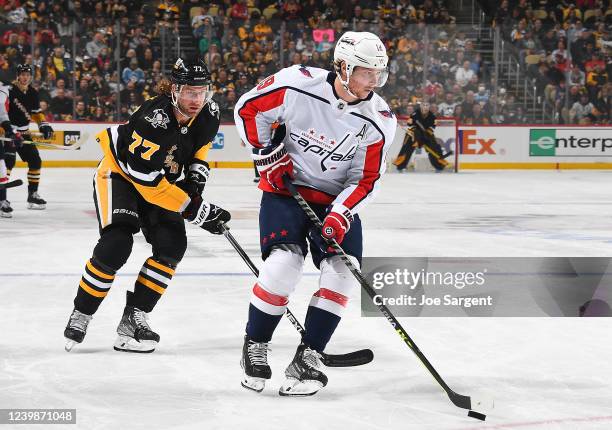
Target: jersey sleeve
[261,106]
[144,158]
[36,113]
[367,167]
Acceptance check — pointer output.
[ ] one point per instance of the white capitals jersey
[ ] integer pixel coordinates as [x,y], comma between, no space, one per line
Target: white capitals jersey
[338,148]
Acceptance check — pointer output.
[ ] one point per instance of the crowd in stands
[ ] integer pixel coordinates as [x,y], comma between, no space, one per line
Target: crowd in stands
[566,47]
[243,41]
[431,57]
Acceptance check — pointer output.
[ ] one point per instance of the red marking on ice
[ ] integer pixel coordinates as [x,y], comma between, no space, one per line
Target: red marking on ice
[91,213]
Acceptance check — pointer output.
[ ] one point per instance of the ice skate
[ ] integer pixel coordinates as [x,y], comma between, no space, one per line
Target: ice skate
[255,364]
[36,202]
[76,329]
[303,375]
[6,211]
[134,332]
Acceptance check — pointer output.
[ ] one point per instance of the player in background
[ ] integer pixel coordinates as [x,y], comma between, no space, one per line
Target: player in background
[137,186]
[6,131]
[330,132]
[24,107]
[420,133]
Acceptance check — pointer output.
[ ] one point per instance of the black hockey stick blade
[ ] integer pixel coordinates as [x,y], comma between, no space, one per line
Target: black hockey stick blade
[11,184]
[350,359]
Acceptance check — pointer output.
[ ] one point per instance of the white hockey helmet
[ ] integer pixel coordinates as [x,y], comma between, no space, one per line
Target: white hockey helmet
[361,49]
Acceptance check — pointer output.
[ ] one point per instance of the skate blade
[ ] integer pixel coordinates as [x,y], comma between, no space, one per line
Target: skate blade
[129,344]
[252,383]
[69,345]
[6,215]
[296,388]
[36,207]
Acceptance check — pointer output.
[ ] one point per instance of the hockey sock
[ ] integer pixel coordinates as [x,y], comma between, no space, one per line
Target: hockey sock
[323,317]
[152,281]
[33,180]
[95,283]
[265,311]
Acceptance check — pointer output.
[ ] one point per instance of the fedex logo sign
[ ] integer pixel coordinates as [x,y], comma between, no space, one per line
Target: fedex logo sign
[472,144]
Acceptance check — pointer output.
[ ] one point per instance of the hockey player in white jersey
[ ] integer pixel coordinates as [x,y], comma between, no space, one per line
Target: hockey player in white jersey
[330,132]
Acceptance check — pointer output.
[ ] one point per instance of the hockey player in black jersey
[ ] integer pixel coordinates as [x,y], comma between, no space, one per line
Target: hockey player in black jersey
[137,187]
[420,134]
[24,107]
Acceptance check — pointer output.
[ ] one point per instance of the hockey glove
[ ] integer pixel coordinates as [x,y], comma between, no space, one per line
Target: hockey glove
[195,179]
[7,130]
[206,215]
[46,130]
[336,224]
[272,164]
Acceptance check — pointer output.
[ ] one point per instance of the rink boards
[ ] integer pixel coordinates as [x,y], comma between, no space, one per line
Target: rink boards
[480,147]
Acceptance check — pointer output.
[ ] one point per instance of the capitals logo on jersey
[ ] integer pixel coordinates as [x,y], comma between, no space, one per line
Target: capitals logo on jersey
[326,148]
[305,71]
[159,118]
[386,113]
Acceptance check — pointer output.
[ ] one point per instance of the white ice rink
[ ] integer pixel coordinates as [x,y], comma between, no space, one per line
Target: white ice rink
[544,373]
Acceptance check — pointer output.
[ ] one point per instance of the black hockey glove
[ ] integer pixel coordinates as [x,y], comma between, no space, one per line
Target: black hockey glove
[195,179]
[8,130]
[46,130]
[206,215]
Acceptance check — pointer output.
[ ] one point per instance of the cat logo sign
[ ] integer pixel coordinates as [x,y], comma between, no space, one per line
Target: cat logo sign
[471,144]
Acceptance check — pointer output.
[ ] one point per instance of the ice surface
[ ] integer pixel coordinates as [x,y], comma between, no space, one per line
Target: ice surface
[543,373]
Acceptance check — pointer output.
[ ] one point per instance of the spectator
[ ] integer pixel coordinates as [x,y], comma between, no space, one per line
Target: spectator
[240,11]
[447,107]
[61,105]
[464,74]
[133,73]
[97,44]
[580,109]
[81,113]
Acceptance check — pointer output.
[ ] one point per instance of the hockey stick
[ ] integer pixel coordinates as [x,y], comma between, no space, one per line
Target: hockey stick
[461,401]
[11,184]
[429,150]
[72,147]
[355,358]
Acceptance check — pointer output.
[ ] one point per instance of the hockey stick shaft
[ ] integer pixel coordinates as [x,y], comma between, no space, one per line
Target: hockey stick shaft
[355,358]
[457,399]
[72,147]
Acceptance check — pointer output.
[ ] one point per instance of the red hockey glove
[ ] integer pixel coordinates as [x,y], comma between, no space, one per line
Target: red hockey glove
[272,164]
[336,224]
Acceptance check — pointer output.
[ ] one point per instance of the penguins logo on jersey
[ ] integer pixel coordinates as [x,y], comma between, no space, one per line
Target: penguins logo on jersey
[158,119]
[213,107]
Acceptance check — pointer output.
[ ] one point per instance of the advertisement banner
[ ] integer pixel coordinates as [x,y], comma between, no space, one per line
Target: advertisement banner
[570,142]
[535,147]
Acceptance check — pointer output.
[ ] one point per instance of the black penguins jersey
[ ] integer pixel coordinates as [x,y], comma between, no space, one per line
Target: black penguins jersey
[24,107]
[427,121]
[152,149]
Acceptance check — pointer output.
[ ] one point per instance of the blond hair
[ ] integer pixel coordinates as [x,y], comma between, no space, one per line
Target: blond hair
[164,87]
